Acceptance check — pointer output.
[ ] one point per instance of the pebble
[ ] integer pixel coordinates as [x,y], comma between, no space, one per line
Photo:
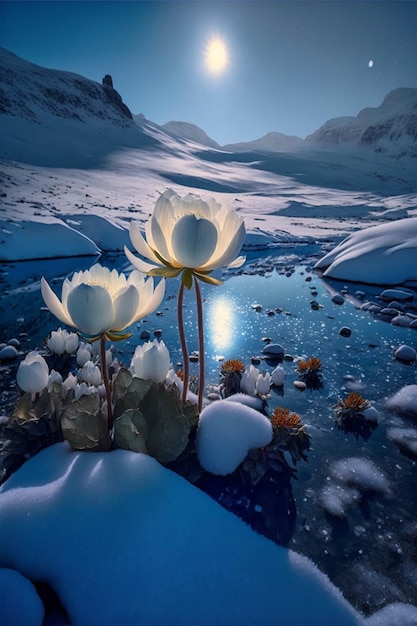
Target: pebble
[338,298]
[255,360]
[401,320]
[273,348]
[14,342]
[145,334]
[157,332]
[193,358]
[298,384]
[213,396]
[314,305]
[405,354]
[345,331]
[8,353]
[360,294]
[396,294]
[257,307]
[266,339]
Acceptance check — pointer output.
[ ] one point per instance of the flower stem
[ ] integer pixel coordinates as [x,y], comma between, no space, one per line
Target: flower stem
[183,341]
[200,344]
[106,381]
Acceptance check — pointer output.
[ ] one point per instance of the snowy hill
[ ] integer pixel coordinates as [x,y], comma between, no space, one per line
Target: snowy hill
[389,129]
[271,142]
[184,130]
[42,110]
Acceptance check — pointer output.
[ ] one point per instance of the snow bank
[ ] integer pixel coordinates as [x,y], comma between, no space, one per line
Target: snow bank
[106,234]
[125,541]
[50,239]
[384,255]
[20,604]
[404,401]
[226,432]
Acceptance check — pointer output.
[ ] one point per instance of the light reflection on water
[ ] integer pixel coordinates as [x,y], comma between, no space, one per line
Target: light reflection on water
[380,536]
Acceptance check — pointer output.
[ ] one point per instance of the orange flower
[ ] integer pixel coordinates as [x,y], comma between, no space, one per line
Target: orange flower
[233,365]
[353,402]
[312,364]
[284,418]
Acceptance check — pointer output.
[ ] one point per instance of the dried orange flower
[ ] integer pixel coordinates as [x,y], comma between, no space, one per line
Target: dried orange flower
[180,374]
[313,363]
[284,418]
[233,365]
[353,402]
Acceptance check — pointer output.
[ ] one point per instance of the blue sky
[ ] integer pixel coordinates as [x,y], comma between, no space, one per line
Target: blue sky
[292,64]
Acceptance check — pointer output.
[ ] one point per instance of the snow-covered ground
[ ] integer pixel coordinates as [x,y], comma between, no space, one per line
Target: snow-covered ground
[166,554]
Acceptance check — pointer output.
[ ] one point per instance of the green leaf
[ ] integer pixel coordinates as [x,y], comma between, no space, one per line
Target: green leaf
[133,395]
[208,279]
[84,426]
[24,409]
[121,383]
[131,431]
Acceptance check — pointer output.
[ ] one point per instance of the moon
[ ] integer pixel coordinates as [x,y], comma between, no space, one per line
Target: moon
[216,56]
[370,63]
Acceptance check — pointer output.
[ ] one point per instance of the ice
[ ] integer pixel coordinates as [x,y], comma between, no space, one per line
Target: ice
[226,432]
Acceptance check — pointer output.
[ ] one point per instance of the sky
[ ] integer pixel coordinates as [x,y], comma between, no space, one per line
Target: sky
[290,65]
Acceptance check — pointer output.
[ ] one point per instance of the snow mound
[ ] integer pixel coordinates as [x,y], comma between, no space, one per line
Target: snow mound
[138,544]
[106,234]
[21,241]
[383,255]
[405,438]
[360,474]
[20,604]
[404,401]
[226,432]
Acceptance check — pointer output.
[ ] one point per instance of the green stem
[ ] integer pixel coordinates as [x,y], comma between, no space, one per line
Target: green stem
[183,342]
[201,355]
[106,381]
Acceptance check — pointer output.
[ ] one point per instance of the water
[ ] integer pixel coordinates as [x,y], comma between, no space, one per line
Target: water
[370,555]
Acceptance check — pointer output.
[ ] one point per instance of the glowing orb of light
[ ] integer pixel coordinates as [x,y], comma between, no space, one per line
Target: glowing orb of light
[216,56]
[370,63]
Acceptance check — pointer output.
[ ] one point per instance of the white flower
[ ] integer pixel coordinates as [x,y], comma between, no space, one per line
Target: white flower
[278,376]
[103,302]
[70,382]
[188,233]
[151,361]
[83,354]
[263,384]
[62,341]
[90,373]
[83,390]
[32,373]
[54,377]
[249,379]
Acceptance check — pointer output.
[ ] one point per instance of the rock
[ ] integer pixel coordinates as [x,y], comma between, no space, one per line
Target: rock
[314,305]
[405,354]
[345,331]
[274,350]
[360,294]
[338,298]
[145,334]
[14,342]
[157,332]
[255,360]
[401,320]
[396,294]
[298,384]
[9,353]
[389,312]
[107,80]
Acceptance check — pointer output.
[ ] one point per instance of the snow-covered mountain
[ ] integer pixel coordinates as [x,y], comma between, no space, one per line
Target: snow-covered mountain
[42,110]
[389,129]
[271,142]
[191,132]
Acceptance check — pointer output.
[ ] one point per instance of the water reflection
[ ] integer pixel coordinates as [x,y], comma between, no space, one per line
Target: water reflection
[222,323]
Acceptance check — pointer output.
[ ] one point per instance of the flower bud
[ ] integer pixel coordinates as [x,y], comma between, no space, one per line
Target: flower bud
[249,379]
[90,373]
[33,372]
[263,384]
[151,361]
[83,354]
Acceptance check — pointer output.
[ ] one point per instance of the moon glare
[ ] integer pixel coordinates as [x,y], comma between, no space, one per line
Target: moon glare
[216,55]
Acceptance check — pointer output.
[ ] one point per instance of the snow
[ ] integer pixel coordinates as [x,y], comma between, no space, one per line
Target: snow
[145,546]
[361,474]
[227,431]
[404,401]
[385,255]
[20,604]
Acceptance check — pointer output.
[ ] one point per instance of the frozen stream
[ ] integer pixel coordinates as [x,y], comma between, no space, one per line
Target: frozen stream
[371,554]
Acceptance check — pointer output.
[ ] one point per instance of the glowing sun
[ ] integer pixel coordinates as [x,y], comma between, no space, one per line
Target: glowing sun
[216,56]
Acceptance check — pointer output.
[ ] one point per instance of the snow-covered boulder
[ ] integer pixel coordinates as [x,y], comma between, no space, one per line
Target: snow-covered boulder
[404,401]
[226,432]
[383,255]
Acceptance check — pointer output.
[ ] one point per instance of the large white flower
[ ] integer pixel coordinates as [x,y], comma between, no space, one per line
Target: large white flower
[188,234]
[100,301]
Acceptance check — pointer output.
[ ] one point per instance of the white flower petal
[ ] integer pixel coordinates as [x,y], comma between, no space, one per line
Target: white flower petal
[140,244]
[125,307]
[54,305]
[142,266]
[150,299]
[230,252]
[193,241]
[91,308]
[33,373]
